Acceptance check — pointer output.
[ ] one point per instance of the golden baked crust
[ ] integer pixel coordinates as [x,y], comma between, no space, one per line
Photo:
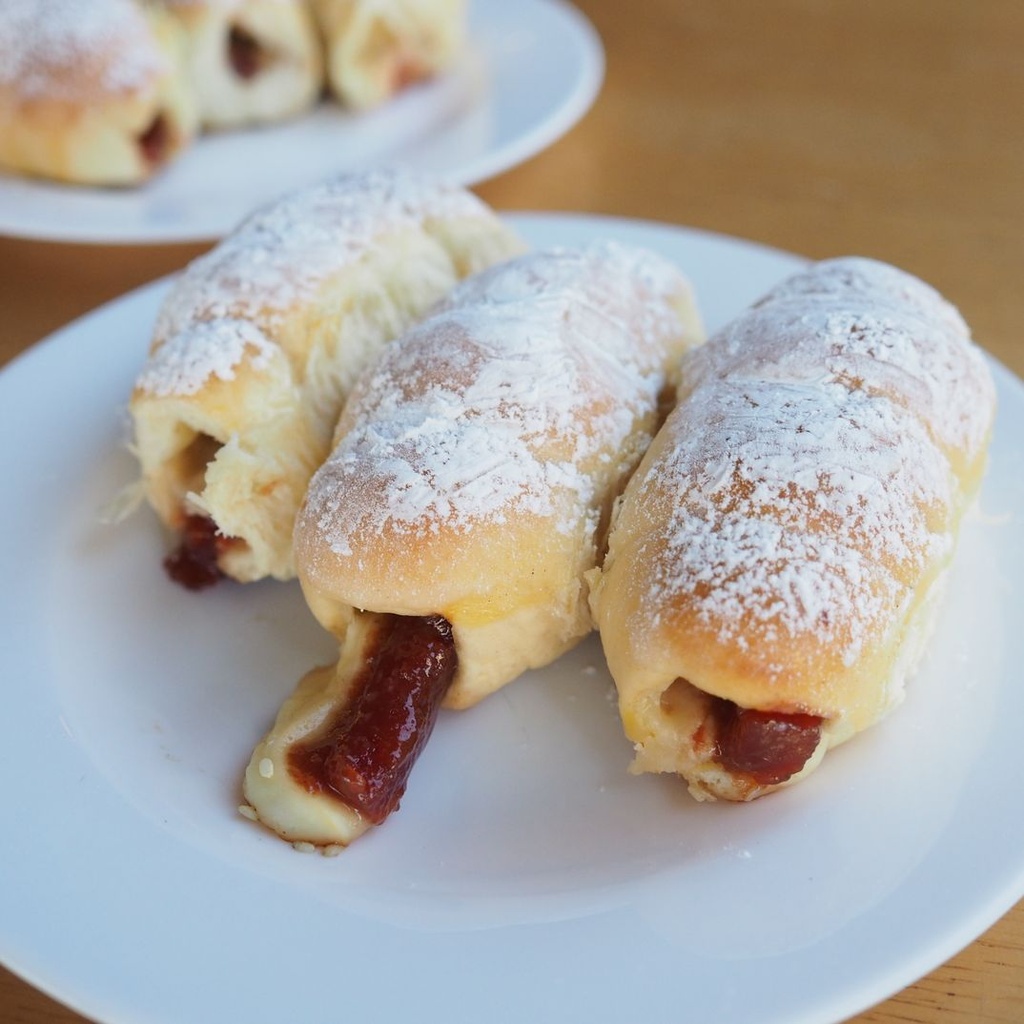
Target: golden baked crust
[377,47]
[250,61]
[474,469]
[91,93]
[476,462]
[106,92]
[260,340]
[783,544]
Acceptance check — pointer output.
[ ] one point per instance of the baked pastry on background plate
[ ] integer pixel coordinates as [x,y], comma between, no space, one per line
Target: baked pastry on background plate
[375,48]
[91,92]
[259,341]
[776,562]
[444,541]
[107,92]
[250,61]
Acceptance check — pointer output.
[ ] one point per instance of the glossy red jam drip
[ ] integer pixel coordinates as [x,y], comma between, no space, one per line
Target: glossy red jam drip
[195,562]
[769,746]
[244,53]
[367,753]
[155,140]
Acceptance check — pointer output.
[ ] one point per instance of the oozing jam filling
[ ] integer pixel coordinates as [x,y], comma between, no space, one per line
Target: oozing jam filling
[769,746]
[365,755]
[245,53]
[155,141]
[194,564]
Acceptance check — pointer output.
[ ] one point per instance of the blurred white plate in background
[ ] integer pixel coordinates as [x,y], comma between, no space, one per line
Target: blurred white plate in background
[531,71]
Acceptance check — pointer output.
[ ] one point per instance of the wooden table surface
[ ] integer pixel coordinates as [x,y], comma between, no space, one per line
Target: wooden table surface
[890,128]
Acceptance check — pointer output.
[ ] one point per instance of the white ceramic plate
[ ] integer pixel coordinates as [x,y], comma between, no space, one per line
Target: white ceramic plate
[527,876]
[532,70]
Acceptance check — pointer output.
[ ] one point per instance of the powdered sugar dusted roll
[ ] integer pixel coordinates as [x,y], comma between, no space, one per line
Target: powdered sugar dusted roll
[375,48]
[250,61]
[775,563]
[467,495]
[260,339]
[91,93]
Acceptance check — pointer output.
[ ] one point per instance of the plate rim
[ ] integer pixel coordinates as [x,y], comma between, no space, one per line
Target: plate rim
[982,916]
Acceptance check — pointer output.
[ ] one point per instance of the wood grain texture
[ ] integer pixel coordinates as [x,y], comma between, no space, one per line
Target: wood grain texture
[889,128]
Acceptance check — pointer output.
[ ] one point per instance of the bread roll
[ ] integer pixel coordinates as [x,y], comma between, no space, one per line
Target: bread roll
[375,48]
[468,493]
[91,93]
[260,339]
[776,562]
[250,61]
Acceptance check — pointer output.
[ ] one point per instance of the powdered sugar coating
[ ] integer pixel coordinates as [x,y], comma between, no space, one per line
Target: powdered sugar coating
[208,348]
[805,509]
[813,477]
[58,48]
[871,325]
[873,283]
[520,395]
[280,256]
